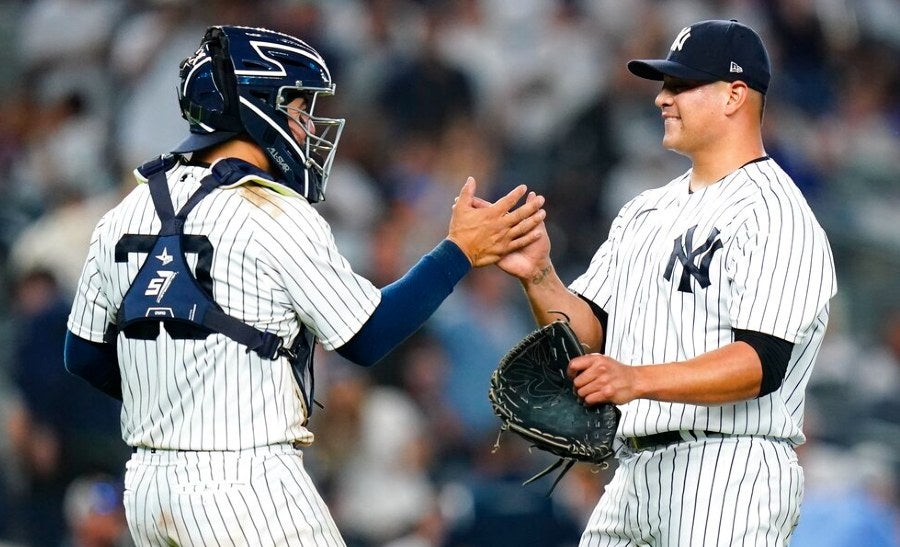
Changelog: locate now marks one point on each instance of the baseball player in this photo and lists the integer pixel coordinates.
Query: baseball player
(206, 288)
(705, 307)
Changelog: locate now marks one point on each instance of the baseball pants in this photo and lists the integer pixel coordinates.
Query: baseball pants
(727, 491)
(261, 496)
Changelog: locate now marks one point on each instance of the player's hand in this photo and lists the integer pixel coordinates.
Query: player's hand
(531, 260)
(602, 379)
(488, 231)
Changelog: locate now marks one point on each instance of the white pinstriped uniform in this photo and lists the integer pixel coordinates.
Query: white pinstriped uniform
(223, 420)
(773, 273)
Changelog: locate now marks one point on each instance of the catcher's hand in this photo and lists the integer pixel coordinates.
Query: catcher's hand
(533, 397)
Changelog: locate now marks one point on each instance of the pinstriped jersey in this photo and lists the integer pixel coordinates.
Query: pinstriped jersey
(273, 264)
(681, 269)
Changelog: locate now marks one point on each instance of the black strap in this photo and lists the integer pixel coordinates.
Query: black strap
(265, 344)
(162, 200)
(212, 118)
(159, 191)
(659, 440)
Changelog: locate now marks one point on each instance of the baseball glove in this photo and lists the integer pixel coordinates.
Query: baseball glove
(533, 397)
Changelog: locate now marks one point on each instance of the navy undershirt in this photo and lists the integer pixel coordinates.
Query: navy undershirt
(407, 303)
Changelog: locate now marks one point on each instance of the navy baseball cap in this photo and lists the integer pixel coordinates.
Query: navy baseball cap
(711, 51)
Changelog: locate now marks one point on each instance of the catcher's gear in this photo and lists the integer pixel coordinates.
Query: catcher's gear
(533, 397)
(240, 80)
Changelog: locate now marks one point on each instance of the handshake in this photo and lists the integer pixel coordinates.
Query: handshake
(513, 237)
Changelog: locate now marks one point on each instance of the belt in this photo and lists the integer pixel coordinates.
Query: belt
(295, 445)
(659, 440)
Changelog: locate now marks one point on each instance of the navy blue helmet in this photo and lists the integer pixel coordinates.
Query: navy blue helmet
(241, 80)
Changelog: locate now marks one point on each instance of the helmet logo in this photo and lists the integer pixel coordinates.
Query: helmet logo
(277, 68)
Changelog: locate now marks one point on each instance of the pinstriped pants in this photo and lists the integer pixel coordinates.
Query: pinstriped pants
(711, 492)
(261, 496)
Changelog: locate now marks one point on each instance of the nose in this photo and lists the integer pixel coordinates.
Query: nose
(663, 98)
(303, 126)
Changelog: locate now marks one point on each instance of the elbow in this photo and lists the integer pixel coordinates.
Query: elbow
(71, 362)
(357, 356)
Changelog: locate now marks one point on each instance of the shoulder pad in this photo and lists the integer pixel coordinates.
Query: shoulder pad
(150, 168)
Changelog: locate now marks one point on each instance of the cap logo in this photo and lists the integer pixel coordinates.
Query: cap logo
(681, 39)
(735, 68)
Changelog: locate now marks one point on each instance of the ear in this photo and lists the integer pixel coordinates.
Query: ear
(738, 94)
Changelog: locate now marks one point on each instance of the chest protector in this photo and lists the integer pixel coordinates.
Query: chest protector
(166, 293)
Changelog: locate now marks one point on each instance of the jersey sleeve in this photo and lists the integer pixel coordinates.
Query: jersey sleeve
(595, 283)
(781, 270)
(328, 296)
(91, 311)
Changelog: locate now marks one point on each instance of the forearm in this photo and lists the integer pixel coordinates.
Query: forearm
(728, 374)
(549, 297)
(407, 303)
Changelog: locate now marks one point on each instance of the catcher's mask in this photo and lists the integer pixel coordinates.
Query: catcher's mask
(241, 80)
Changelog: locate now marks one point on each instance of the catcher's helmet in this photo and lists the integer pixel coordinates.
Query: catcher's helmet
(240, 80)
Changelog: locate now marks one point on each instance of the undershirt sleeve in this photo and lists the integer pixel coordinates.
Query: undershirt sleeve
(407, 303)
(774, 354)
(94, 362)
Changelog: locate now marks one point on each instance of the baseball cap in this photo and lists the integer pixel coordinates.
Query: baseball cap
(710, 51)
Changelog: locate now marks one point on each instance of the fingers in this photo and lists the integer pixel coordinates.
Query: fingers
(598, 378)
(579, 365)
(467, 192)
(530, 226)
(530, 211)
(526, 239)
(532, 203)
(478, 203)
(509, 200)
(487, 231)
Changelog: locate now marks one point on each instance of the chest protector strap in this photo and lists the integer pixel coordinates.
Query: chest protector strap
(166, 292)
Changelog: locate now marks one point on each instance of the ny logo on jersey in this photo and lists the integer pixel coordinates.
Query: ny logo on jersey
(686, 257)
(159, 285)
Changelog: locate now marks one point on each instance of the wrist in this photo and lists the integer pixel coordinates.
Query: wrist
(651, 381)
(454, 263)
(542, 274)
(461, 248)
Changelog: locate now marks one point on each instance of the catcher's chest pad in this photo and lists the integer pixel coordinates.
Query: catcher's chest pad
(165, 292)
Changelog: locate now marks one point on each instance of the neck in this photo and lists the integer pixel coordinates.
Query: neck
(239, 147)
(712, 166)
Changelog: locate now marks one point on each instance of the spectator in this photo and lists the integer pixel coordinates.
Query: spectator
(61, 430)
(94, 513)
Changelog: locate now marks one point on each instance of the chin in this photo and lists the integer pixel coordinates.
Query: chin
(670, 143)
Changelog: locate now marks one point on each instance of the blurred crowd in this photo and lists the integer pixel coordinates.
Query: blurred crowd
(509, 91)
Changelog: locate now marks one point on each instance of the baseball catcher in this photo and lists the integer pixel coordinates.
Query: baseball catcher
(533, 397)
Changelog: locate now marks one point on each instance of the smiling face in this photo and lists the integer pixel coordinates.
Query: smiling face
(692, 114)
